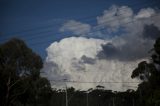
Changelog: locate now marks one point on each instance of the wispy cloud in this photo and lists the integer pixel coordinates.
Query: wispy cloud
(75, 27)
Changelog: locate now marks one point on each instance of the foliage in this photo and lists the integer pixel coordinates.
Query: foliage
(20, 75)
(149, 73)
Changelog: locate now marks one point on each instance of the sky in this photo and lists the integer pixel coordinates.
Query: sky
(42, 18)
(84, 40)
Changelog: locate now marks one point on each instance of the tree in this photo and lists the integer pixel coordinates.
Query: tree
(20, 74)
(149, 73)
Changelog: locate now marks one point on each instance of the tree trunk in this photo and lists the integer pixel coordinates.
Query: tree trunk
(8, 92)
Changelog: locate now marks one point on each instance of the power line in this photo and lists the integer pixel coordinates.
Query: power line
(90, 32)
(96, 30)
(50, 40)
(102, 29)
(67, 81)
(60, 33)
(88, 17)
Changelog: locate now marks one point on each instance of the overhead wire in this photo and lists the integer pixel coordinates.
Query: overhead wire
(89, 17)
(60, 33)
(102, 29)
(68, 81)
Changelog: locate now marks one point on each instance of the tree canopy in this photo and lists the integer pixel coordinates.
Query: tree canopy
(149, 73)
(20, 74)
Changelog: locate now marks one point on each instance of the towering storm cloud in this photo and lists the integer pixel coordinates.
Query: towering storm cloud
(126, 39)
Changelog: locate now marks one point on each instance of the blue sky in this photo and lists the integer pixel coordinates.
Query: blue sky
(37, 21)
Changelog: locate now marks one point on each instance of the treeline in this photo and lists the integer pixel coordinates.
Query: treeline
(96, 97)
(22, 85)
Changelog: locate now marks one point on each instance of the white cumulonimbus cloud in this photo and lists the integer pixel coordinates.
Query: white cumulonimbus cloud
(111, 59)
(76, 59)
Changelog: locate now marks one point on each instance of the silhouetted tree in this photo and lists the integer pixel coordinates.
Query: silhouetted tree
(20, 80)
(149, 73)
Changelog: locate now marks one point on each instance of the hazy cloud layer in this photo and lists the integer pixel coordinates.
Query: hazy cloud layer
(75, 27)
(109, 60)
